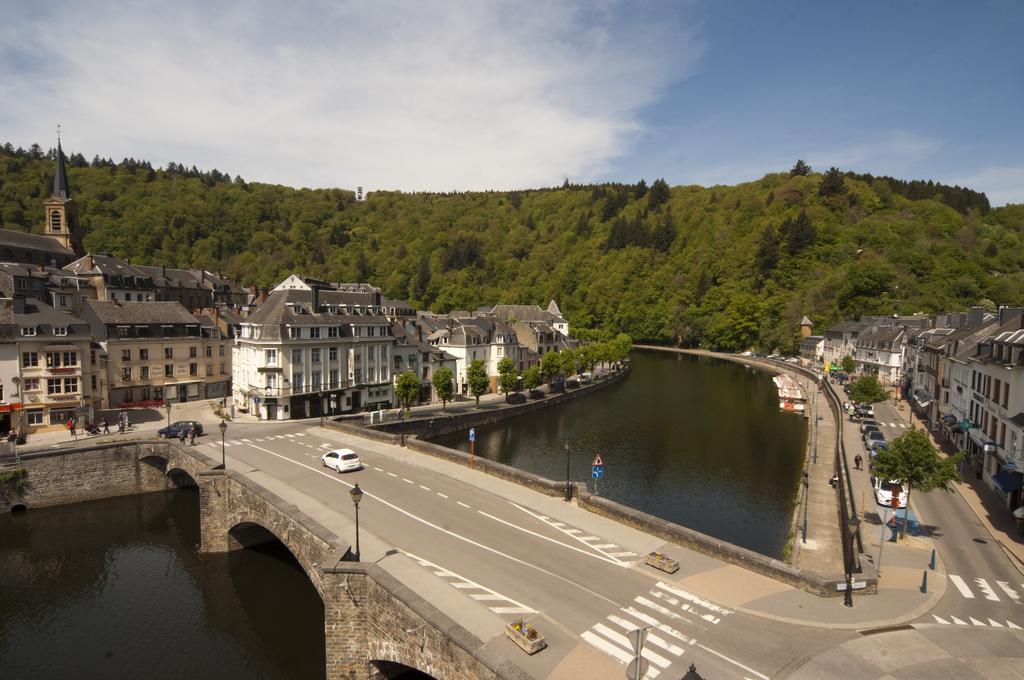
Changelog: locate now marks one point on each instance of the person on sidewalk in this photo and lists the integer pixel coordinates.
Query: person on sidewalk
(857, 461)
(71, 426)
(834, 482)
(192, 436)
(105, 426)
(12, 436)
(181, 436)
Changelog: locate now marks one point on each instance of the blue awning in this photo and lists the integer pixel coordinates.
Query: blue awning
(1007, 481)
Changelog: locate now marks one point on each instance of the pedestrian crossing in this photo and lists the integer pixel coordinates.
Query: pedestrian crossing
(496, 602)
(242, 442)
(666, 609)
(1002, 591)
(956, 621)
(626, 558)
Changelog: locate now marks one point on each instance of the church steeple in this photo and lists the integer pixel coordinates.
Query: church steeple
(61, 212)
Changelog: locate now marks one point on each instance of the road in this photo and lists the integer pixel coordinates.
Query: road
(518, 561)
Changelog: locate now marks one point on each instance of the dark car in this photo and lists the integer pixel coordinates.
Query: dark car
(572, 383)
(536, 394)
(515, 398)
(180, 429)
(557, 385)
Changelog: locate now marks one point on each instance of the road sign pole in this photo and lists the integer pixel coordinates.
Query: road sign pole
(472, 441)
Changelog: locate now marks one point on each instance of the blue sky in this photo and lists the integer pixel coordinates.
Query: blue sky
(473, 95)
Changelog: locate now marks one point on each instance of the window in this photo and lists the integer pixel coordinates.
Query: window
(271, 380)
(371, 352)
(332, 354)
(270, 356)
(209, 351)
(314, 355)
(334, 378)
(126, 373)
(144, 373)
(35, 417)
(314, 332)
(297, 380)
(220, 350)
(209, 369)
(31, 384)
(60, 330)
(126, 355)
(296, 356)
(193, 369)
(294, 333)
(28, 331)
(222, 368)
(55, 220)
(143, 355)
(1006, 393)
(168, 370)
(192, 353)
(332, 331)
(168, 352)
(123, 331)
(61, 386)
(29, 359)
(315, 383)
(93, 381)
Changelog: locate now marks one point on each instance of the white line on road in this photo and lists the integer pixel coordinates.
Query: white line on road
(961, 586)
(732, 661)
(995, 624)
(975, 621)
(694, 599)
(407, 481)
(626, 624)
(958, 621)
(392, 474)
(378, 469)
(618, 637)
(1011, 624)
(425, 488)
(986, 589)
(462, 504)
(441, 495)
(1010, 592)
(940, 620)
(552, 540)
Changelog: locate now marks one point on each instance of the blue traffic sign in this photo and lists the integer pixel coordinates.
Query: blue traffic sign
(472, 434)
(597, 472)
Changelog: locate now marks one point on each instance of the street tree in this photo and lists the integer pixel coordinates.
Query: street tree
(407, 387)
(531, 377)
(444, 385)
(569, 361)
(550, 366)
(913, 460)
(507, 375)
(867, 390)
(848, 364)
(479, 381)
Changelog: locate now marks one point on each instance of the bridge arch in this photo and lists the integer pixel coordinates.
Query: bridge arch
(393, 670)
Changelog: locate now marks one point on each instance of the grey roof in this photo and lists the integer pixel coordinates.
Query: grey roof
(523, 312)
(60, 180)
(113, 311)
(883, 337)
(6, 311)
(24, 239)
(290, 306)
(967, 346)
(806, 322)
(105, 263)
(41, 314)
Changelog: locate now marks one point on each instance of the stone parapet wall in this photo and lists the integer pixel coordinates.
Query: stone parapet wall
(507, 472)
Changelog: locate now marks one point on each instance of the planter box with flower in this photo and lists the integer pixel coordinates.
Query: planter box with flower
(661, 561)
(526, 636)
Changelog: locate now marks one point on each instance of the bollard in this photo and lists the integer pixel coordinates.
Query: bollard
(924, 582)
(931, 565)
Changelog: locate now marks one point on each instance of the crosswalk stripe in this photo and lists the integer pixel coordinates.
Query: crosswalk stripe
(621, 554)
(484, 597)
(588, 539)
(1010, 592)
(1011, 624)
(995, 623)
(958, 621)
(651, 621)
(975, 621)
(606, 646)
(615, 636)
(511, 610)
(573, 531)
(658, 608)
(604, 546)
(940, 620)
(961, 586)
(694, 599)
(685, 607)
(300, 434)
(986, 589)
(653, 639)
(289, 435)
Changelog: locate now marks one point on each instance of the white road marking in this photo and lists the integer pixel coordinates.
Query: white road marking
(462, 504)
(996, 624)
(986, 590)
(621, 554)
(1011, 624)
(961, 586)
(975, 621)
(606, 647)
(654, 606)
(552, 540)
(425, 488)
(1010, 592)
(464, 584)
(586, 540)
(300, 434)
(392, 474)
(487, 595)
(940, 620)
(605, 545)
(694, 599)
(289, 435)
(618, 637)
(378, 469)
(573, 531)
(625, 624)
(407, 481)
(958, 621)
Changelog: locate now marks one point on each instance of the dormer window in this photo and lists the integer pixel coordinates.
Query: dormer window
(60, 330)
(28, 331)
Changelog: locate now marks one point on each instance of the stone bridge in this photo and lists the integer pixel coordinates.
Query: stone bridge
(368, 614)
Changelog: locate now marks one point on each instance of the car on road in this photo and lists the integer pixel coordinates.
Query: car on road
(341, 460)
(873, 438)
(572, 383)
(865, 424)
(536, 394)
(865, 431)
(515, 398)
(180, 429)
(865, 411)
(884, 491)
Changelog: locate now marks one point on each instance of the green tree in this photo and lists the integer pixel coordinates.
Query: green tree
(550, 366)
(832, 183)
(867, 390)
(507, 375)
(767, 255)
(799, 234)
(479, 381)
(800, 168)
(569, 361)
(444, 385)
(657, 194)
(913, 460)
(407, 387)
(848, 364)
(531, 377)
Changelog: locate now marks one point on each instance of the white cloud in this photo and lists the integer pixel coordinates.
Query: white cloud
(1001, 183)
(407, 95)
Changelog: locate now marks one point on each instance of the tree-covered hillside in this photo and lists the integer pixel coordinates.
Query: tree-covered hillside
(729, 267)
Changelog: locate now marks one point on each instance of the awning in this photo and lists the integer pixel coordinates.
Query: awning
(922, 403)
(949, 419)
(1007, 481)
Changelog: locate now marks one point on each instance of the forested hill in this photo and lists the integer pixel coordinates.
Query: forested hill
(727, 266)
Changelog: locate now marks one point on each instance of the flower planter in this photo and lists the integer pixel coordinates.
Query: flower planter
(526, 636)
(662, 562)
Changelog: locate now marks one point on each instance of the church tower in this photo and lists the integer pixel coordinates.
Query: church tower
(61, 212)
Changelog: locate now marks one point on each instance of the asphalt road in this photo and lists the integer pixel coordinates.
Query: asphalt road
(517, 561)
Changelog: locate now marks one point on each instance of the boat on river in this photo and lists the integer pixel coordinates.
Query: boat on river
(791, 397)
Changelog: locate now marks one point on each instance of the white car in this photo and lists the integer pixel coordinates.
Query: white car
(341, 460)
(884, 491)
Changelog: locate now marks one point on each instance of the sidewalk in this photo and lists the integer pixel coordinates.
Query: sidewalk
(992, 515)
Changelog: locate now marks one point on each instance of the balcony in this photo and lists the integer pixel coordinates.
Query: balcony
(288, 391)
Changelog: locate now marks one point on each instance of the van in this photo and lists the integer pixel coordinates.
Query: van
(585, 378)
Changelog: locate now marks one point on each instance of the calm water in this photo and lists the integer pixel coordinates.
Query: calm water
(115, 589)
(697, 441)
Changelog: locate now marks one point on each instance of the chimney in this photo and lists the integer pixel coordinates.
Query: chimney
(263, 295)
(977, 317)
(89, 262)
(316, 299)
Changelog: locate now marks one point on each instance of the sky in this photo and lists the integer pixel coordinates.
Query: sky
(472, 95)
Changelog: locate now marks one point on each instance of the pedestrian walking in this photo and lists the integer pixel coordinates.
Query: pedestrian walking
(71, 426)
(12, 436)
(105, 426)
(834, 482)
(192, 436)
(857, 461)
(181, 436)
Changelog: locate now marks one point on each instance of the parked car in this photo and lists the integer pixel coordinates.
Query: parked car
(572, 383)
(876, 447)
(515, 398)
(872, 438)
(341, 460)
(865, 424)
(557, 385)
(536, 394)
(585, 378)
(180, 429)
(865, 411)
(865, 431)
(884, 492)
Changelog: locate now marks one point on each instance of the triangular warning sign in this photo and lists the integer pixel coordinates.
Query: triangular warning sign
(598, 461)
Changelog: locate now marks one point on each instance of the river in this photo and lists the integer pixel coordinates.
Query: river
(694, 440)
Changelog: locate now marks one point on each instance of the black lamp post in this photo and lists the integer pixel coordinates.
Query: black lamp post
(168, 407)
(852, 524)
(357, 495)
(223, 427)
(568, 484)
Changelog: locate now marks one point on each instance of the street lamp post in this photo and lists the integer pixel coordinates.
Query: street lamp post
(852, 524)
(806, 483)
(223, 427)
(168, 407)
(568, 484)
(357, 495)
